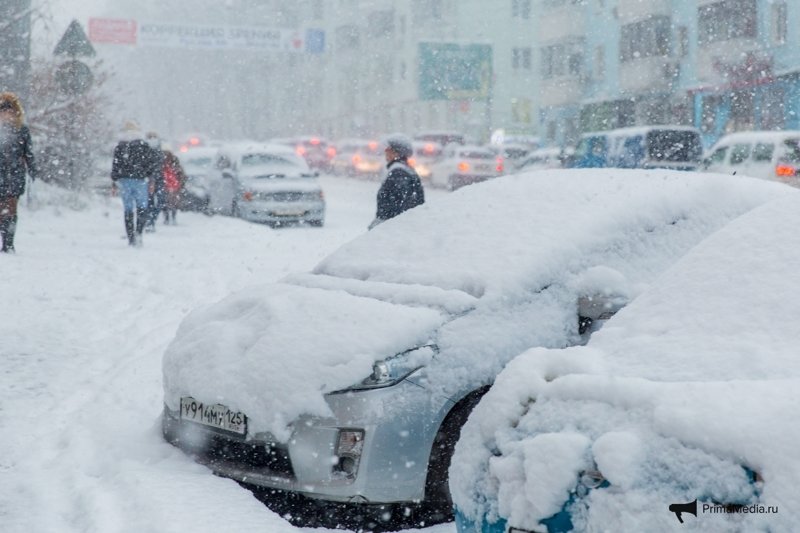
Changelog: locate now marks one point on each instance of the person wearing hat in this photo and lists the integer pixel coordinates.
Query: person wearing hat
(135, 161)
(401, 189)
(16, 157)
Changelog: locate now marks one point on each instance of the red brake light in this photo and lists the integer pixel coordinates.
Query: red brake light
(429, 148)
(314, 141)
(247, 195)
(301, 150)
(785, 170)
(373, 145)
(356, 159)
(331, 151)
(184, 148)
(463, 166)
(412, 162)
(194, 141)
(499, 166)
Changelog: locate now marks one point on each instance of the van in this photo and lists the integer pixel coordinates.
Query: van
(672, 147)
(770, 155)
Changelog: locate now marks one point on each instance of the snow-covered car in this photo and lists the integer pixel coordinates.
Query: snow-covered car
(464, 165)
(351, 383)
(358, 157)
(267, 183)
(316, 151)
(771, 155)
(198, 165)
(679, 415)
(542, 159)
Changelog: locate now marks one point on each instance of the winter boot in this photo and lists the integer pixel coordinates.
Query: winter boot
(4, 232)
(141, 220)
(8, 238)
(129, 227)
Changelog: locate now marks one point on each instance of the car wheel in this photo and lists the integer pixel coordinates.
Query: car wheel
(438, 505)
(316, 223)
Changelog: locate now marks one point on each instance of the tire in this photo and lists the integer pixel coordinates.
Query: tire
(438, 505)
(316, 223)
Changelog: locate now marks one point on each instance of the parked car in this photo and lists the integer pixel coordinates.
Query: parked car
(426, 154)
(198, 165)
(685, 403)
(771, 155)
(349, 384)
(358, 157)
(542, 159)
(672, 147)
(464, 165)
(266, 183)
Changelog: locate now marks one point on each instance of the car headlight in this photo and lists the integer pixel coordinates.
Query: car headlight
(395, 369)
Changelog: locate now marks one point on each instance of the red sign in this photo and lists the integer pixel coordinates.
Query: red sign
(113, 31)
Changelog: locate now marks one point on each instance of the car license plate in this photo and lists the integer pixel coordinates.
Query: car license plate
(217, 416)
(483, 168)
(287, 212)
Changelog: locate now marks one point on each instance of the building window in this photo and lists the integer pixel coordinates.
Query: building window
(562, 59)
(729, 19)
(521, 58)
(600, 62)
(646, 38)
(521, 9)
(779, 22)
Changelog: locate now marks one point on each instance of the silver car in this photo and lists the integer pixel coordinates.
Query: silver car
(271, 386)
(266, 183)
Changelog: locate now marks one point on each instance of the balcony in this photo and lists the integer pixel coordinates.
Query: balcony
(656, 73)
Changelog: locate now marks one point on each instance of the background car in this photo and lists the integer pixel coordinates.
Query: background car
(358, 157)
(350, 384)
(683, 404)
(426, 154)
(198, 165)
(266, 183)
(463, 165)
(542, 159)
(316, 151)
(771, 155)
(443, 138)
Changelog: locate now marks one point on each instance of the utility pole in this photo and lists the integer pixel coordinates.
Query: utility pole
(15, 46)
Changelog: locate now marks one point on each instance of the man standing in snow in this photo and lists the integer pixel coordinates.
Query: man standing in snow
(401, 189)
(133, 165)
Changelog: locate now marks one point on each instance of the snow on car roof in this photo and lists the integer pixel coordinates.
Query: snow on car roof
(707, 355)
(758, 136)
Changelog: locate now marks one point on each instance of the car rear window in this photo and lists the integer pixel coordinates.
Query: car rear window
(674, 145)
(792, 154)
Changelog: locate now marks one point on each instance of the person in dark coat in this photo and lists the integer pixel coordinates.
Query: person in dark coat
(157, 195)
(174, 182)
(401, 190)
(16, 158)
(135, 161)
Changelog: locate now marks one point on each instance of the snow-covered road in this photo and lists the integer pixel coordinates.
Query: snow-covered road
(84, 322)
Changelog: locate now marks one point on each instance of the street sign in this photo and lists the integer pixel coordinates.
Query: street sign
(73, 77)
(74, 42)
(451, 71)
(112, 31)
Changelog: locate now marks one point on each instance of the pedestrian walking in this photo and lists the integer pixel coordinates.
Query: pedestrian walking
(16, 159)
(133, 164)
(174, 181)
(156, 197)
(401, 190)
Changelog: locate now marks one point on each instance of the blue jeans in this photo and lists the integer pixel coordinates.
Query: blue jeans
(134, 194)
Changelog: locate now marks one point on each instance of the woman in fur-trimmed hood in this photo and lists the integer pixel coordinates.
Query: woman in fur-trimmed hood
(16, 159)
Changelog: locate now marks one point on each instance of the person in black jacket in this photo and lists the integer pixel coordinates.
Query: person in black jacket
(16, 158)
(135, 161)
(401, 189)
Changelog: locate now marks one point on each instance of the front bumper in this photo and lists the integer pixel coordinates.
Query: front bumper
(399, 425)
(279, 212)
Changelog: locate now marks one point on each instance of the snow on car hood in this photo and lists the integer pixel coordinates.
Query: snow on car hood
(295, 183)
(701, 371)
(272, 352)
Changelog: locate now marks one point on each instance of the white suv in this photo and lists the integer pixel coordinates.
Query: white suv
(771, 155)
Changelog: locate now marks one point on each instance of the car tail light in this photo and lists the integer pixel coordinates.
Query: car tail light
(314, 141)
(194, 141)
(331, 152)
(785, 170)
(463, 166)
(356, 159)
(373, 145)
(499, 166)
(429, 148)
(247, 195)
(184, 148)
(412, 162)
(301, 150)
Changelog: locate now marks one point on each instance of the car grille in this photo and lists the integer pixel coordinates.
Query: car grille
(290, 196)
(272, 457)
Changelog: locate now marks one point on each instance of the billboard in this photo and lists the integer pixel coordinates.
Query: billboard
(452, 71)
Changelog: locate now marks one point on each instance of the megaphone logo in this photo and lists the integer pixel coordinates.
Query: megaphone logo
(679, 508)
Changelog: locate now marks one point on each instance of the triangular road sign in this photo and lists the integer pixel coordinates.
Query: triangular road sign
(74, 42)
